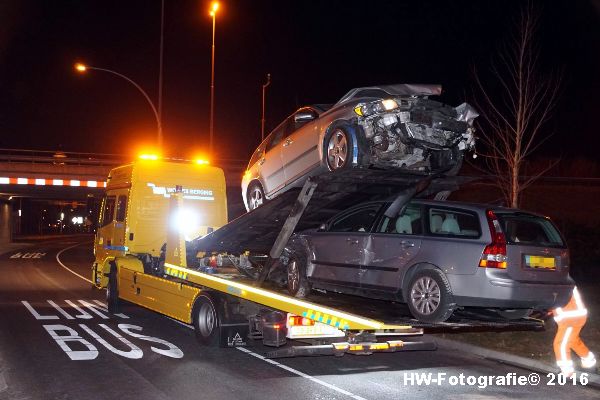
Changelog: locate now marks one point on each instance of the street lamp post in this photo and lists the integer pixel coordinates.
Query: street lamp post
(83, 68)
(213, 14)
(262, 120)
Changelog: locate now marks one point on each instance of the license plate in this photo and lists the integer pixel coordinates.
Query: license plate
(540, 262)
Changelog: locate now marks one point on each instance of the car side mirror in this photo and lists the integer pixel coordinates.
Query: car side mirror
(304, 117)
(322, 228)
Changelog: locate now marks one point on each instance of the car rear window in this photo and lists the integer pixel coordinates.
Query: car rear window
(530, 230)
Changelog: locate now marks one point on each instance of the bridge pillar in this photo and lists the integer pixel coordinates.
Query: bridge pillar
(5, 223)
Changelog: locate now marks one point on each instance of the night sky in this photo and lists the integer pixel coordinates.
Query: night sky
(315, 50)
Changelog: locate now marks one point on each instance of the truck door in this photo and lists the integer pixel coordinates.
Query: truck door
(110, 238)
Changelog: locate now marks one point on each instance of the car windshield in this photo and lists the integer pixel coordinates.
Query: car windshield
(530, 230)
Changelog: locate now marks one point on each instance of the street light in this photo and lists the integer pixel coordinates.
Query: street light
(213, 13)
(82, 68)
(262, 121)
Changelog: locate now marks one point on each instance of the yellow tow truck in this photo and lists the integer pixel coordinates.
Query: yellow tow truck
(164, 242)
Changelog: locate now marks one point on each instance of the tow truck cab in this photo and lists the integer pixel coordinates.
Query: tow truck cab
(134, 217)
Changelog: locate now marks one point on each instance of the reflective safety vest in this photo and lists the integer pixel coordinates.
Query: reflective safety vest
(574, 308)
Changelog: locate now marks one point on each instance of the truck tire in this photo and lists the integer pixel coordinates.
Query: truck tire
(112, 290)
(429, 296)
(205, 317)
(297, 281)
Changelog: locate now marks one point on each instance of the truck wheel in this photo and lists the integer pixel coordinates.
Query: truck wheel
(339, 148)
(297, 282)
(430, 297)
(206, 320)
(112, 290)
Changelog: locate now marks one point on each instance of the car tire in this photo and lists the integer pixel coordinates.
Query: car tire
(255, 196)
(515, 314)
(429, 296)
(205, 318)
(112, 290)
(297, 281)
(338, 149)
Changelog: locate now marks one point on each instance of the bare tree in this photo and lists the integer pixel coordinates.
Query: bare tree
(515, 111)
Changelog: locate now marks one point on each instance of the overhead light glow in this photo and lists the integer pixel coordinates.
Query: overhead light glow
(80, 67)
(152, 157)
(201, 161)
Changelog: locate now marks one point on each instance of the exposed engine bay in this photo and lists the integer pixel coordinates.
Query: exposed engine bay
(416, 133)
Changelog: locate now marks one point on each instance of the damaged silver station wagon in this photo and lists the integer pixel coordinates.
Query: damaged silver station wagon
(394, 126)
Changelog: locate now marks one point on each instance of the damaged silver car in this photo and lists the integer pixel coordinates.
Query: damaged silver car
(393, 126)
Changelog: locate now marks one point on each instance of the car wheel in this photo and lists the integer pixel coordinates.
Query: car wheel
(297, 282)
(429, 296)
(515, 314)
(112, 290)
(256, 196)
(339, 149)
(206, 320)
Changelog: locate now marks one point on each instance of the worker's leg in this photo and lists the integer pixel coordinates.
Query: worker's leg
(588, 360)
(562, 351)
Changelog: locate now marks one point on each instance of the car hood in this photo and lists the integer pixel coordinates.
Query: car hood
(400, 89)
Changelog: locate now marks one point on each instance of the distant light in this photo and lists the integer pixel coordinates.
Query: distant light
(201, 161)
(19, 212)
(213, 9)
(77, 220)
(9, 198)
(152, 157)
(80, 67)
(62, 216)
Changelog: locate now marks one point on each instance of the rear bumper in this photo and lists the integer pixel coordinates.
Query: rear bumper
(481, 290)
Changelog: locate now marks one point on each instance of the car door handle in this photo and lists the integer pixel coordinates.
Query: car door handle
(406, 243)
(287, 142)
(261, 161)
(351, 241)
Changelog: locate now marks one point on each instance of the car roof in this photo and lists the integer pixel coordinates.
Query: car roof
(471, 206)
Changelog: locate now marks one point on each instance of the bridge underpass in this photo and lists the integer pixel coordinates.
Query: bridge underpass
(41, 191)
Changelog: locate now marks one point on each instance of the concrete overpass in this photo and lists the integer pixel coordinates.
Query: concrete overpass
(65, 176)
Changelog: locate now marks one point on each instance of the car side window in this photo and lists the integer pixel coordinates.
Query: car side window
(407, 223)
(452, 222)
(293, 125)
(360, 220)
(276, 136)
(108, 211)
(256, 156)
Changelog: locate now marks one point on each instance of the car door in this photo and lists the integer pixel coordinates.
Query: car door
(392, 248)
(270, 164)
(339, 252)
(300, 143)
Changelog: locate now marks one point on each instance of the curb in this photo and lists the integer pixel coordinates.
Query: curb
(505, 358)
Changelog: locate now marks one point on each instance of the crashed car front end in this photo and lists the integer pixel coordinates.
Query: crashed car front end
(415, 132)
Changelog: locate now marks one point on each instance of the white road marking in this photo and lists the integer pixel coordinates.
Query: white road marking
(243, 349)
(302, 374)
(69, 269)
(289, 369)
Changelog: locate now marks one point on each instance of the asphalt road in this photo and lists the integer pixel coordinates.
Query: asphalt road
(96, 356)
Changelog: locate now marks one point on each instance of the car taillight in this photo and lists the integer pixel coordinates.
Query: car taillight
(295, 320)
(494, 254)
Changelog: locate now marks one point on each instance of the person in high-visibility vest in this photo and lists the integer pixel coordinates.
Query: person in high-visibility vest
(570, 319)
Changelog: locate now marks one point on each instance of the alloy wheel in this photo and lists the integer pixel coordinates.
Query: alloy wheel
(293, 276)
(256, 197)
(337, 150)
(425, 295)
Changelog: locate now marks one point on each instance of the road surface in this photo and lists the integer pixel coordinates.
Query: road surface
(58, 342)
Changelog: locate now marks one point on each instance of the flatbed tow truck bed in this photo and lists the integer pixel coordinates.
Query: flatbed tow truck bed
(233, 304)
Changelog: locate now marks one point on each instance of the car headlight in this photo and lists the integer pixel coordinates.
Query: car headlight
(379, 106)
